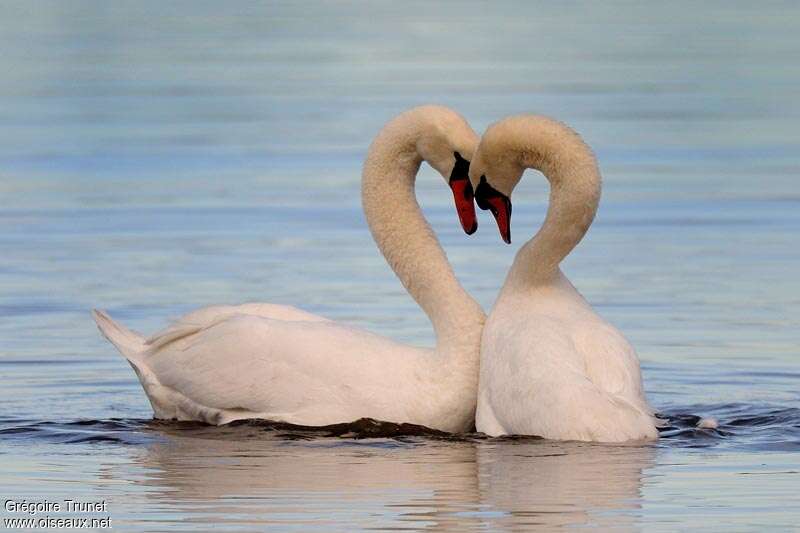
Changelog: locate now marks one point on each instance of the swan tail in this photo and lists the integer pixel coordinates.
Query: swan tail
(133, 347)
(129, 343)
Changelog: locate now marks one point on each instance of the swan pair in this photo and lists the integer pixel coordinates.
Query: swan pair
(543, 363)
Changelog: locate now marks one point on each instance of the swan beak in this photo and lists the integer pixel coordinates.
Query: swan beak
(465, 205)
(487, 197)
(463, 194)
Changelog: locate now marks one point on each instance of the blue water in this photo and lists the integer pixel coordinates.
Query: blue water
(158, 157)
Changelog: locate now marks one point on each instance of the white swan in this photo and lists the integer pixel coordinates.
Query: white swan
(224, 363)
(550, 366)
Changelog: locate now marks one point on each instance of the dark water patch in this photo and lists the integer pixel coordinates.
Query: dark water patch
(780, 416)
(9, 431)
(116, 431)
(361, 429)
(96, 438)
(735, 425)
(139, 431)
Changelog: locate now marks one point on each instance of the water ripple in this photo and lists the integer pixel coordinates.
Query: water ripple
(753, 428)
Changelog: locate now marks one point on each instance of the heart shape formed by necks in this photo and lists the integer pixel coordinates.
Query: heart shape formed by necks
(489, 198)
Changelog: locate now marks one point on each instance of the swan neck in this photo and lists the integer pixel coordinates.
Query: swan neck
(575, 185)
(409, 244)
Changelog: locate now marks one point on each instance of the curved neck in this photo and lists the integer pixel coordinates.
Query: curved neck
(407, 241)
(575, 183)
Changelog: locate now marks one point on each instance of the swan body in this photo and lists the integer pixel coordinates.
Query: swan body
(549, 365)
(224, 363)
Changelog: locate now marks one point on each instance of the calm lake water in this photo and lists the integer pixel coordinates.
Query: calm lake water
(158, 157)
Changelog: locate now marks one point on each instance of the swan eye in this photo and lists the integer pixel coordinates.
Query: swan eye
(460, 169)
(483, 192)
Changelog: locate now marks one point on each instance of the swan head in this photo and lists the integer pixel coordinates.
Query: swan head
(516, 143)
(494, 172)
(447, 143)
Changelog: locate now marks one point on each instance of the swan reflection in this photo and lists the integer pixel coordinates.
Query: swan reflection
(250, 478)
(562, 484)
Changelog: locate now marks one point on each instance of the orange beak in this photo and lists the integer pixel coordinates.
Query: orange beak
(463, 195)
(465, 206)
(487, 197)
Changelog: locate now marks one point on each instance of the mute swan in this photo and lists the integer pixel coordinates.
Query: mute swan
(549, 365)
(224, 363)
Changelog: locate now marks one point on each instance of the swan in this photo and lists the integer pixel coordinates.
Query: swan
(549, 365)
(259, 360)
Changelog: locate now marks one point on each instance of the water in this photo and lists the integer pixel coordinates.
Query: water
(155, 158)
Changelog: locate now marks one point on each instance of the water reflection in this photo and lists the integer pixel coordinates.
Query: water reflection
(157, 157)
(246, 477)
(562, 484)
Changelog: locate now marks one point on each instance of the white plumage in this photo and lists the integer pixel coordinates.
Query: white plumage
(550, 366)
(224, 363)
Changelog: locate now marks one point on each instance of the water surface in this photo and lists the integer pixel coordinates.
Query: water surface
(156, 158)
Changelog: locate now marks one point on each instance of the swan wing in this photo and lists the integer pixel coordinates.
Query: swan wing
(207, 317)
(303, 372)
(610, 361)
(538, 377)
(557, 401)
(585, 412)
